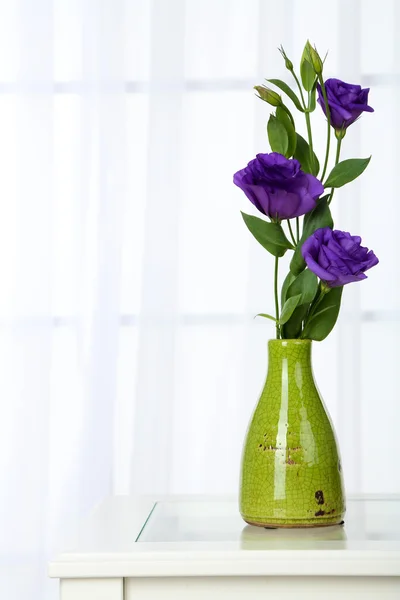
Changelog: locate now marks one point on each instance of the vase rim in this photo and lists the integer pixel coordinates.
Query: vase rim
(291, 341)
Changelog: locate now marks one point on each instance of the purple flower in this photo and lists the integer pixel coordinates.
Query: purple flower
(278, 187)
(346, 102)
(337, 257)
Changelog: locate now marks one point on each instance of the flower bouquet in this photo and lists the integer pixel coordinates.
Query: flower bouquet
(291, 470)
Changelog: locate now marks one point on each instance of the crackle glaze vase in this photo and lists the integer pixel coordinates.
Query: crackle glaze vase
(291, 472)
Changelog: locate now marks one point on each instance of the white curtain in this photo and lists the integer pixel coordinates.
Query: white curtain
(129, 357)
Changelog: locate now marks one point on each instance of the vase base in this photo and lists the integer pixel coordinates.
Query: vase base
(292, 524)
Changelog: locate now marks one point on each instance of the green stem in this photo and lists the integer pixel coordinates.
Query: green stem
(338, 147)
(298, 229)
(315, 306)
(328, 135)
(310, 141)
(308, 120)
(278, 335)
(300, 89)
(291, 233)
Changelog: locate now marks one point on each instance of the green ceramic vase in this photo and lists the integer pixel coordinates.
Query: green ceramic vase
(291, 471)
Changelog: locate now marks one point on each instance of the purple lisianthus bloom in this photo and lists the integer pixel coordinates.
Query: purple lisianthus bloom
(278, 187)
(346, 102)
(337, 257)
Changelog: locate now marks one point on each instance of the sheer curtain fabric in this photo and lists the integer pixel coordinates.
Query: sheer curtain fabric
(129, 357)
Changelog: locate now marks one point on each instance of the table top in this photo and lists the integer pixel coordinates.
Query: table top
(205, 536)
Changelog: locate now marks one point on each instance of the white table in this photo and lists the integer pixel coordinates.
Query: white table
(199, 548)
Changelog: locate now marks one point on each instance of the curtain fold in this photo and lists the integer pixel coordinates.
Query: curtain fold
(60, 321)
(157, 330)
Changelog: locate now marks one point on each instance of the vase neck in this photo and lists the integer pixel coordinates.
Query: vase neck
(292, 354)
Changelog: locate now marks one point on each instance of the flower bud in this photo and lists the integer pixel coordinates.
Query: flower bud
(325, 288)
(268, 95)
(288, 62)
(340, 133)
(315, 59)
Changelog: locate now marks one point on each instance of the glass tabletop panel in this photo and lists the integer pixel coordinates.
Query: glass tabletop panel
(220, 521)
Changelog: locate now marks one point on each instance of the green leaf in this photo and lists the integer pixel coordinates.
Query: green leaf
(288, 91)
(302, 154)
(322, 323)
(319, 217)
(277, 135)
(288, 280)
(314, 213)
(269, 235)
(283, 117)
(305, 285)
(292, 329)
(287, 111)
(346, 171)
(288, 308)
(266, 316)
(313, 98)
(307, 75)
(307, 70)
(319, 312)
